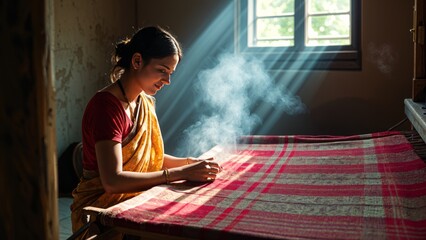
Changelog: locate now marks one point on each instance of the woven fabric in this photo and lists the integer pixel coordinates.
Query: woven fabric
(370, 186)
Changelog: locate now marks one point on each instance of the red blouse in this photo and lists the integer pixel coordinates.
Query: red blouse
(103, 119)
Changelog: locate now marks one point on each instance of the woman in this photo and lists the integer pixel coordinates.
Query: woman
(122, 143)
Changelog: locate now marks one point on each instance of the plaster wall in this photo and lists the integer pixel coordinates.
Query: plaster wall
(338, 102)
(85, 33)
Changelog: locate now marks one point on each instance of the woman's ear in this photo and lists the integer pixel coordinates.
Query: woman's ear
(137, 61)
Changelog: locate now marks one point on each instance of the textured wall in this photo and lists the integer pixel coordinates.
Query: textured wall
(84, 35)
(338, 102)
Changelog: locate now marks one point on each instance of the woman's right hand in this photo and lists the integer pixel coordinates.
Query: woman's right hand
(201, 171)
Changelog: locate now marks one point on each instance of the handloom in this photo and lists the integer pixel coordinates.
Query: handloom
(369, 186)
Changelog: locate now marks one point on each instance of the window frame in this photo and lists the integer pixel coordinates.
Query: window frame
(299, 56)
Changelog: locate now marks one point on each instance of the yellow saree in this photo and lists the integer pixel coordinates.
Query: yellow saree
(143, 153)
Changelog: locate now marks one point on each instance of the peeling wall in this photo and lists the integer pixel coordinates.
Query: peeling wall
(85, 32)
(338, 102)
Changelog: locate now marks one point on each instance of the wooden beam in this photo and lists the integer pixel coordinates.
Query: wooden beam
(419, 71)
(28, 143)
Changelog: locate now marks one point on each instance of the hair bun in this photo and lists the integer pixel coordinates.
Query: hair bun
(122, 48)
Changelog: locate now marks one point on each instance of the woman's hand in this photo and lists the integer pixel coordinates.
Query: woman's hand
(190, 160)
(201, 170)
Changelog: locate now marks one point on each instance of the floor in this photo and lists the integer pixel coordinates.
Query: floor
(64, 217)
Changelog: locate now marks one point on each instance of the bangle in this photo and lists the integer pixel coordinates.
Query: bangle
(166, 175)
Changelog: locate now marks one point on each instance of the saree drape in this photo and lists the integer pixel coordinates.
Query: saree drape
(142, 153)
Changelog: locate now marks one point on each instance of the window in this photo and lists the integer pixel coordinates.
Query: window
(301, 34)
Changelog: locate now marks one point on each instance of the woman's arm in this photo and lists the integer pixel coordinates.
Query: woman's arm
(172, 161)
(115, 180)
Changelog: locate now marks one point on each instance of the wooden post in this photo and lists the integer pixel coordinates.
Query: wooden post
(28, 143)
(419, 71)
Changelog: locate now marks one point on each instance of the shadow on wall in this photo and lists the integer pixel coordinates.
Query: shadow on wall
(342, 115)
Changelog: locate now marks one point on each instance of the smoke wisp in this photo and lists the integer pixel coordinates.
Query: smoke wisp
(383, 57)
(229, 91)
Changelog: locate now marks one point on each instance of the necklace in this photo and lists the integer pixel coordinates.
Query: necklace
(125, 98)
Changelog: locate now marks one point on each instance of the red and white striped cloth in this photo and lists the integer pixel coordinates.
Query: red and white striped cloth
(370, 186)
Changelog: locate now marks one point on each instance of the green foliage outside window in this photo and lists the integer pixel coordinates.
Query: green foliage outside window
(327, 22)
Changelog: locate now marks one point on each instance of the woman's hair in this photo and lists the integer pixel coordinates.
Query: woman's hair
(151, 42)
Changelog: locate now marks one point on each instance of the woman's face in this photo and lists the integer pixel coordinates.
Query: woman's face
(157, 73)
